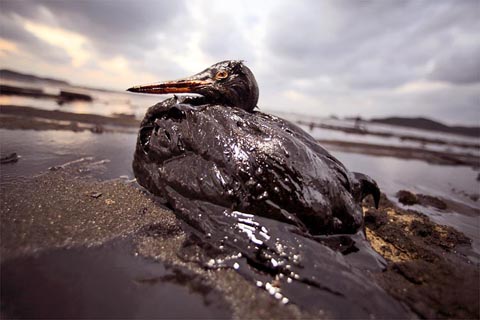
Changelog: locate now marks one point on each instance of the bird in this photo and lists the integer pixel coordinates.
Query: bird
(215, 147)
(258, 194)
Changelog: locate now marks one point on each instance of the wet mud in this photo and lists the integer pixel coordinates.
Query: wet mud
(10, 158)
(46, 218)
(408, 198)
(23, 117)
(428, 264)
(65, 213)
(106, 281)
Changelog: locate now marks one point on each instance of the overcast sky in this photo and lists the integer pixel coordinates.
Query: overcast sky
(368, 58)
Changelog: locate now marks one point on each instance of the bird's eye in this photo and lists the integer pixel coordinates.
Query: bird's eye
(221, 74)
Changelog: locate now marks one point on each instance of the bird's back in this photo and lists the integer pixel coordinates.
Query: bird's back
(252, 162)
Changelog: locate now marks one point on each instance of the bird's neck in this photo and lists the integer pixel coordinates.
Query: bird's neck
(193, 100)
(202, 100)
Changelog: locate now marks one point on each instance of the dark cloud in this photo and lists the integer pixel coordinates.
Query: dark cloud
(227, 41)
(370, 44)
(453, 105)
(459, 67)
(328, 54)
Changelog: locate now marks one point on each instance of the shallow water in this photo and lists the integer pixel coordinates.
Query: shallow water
(393, 174)
(327, 134)
(40, 150)
(448, 182)
(108, 281)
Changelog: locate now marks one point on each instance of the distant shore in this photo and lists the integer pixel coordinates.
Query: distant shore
(80, 93)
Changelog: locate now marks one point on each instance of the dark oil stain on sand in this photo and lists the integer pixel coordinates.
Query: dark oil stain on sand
(107, 281)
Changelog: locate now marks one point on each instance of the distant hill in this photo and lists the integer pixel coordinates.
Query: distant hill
(17, 76)
(427, 124)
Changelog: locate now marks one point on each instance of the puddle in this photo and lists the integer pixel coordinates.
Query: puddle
(40, 150)
(104, 282)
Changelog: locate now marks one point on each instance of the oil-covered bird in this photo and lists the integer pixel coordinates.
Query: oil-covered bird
(214, 147)
(258, 194)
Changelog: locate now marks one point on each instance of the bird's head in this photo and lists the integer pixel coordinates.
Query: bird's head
(228, 82)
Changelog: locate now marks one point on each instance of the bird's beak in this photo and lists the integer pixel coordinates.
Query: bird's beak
(186, 85)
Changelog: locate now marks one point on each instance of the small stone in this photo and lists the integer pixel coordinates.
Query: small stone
(95, 195)
(11, 158)
(97, 129)
(407, 198)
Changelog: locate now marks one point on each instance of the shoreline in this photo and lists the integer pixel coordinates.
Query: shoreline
(29, 118)
(429, 156)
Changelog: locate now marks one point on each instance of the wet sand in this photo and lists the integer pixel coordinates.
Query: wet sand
(67, 208)
(23, 118)
(28, 118)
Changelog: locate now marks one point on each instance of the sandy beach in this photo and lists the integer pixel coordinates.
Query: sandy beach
(67, 209)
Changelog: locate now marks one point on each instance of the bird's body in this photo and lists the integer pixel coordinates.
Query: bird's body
(246, 161)
(260, 195)
(217, 149)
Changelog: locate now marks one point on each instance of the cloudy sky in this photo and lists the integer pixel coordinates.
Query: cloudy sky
(368, 58)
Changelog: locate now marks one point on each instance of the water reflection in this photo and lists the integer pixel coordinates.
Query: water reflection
(394, 174)
(442, 145)
(449, 182)
(40, 150)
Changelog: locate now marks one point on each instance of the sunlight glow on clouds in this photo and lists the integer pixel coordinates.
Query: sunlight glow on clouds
(107, 72)
(7, 47)
(74, 44)
(421, 86)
